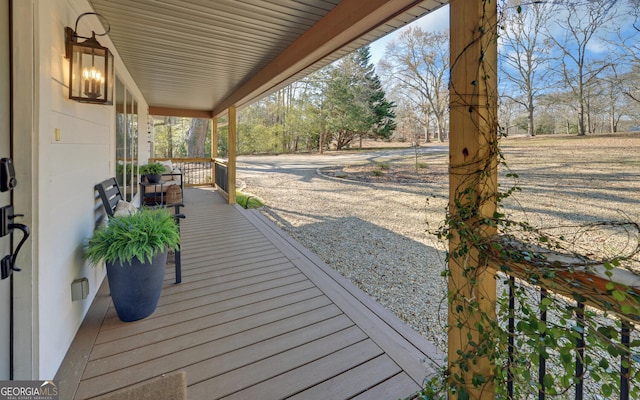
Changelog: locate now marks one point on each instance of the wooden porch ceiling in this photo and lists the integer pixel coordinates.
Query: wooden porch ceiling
(198, 57)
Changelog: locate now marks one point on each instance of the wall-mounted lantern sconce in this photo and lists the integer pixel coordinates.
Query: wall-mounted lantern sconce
(91, 74)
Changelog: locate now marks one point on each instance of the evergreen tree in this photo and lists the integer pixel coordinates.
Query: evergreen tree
(383, 122)
(355, 103)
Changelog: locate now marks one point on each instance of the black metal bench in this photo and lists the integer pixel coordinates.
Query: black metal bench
(110, 194)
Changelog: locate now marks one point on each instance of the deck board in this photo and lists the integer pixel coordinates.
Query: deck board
(352, 381)
(256, 316)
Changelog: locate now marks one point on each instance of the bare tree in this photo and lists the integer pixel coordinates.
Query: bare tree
(612, 85)
(418, 63)
(526, 54)
(580, 25)
(507, 111)
(631, 47)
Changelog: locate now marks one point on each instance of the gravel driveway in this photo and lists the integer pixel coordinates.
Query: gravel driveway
(375, 234)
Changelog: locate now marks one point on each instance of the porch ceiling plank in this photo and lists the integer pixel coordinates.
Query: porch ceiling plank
(207, 55)
(203, 21)
(347, 22)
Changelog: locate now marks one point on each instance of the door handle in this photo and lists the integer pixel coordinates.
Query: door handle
(8, 263)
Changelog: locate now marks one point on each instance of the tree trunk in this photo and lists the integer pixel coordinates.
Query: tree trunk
(581, 130)
(612, 121)
(581, 100)
(196, 137)
(532, 131)
(169, 123)
(440, 128)
(590, 126)
(427, 139)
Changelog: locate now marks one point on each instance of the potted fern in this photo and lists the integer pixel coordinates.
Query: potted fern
(153, 171)
(134, 248)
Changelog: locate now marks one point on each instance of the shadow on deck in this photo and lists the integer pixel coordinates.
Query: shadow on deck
(257, 316)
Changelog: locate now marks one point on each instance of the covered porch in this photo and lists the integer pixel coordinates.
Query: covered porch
(230, 324)
(256, 316)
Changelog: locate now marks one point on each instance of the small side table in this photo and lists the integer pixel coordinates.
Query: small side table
(154, 194)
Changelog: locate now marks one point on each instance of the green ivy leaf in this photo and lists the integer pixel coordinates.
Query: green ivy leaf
(618, 295)
(604, 364)
(627, 309)
(548, 381)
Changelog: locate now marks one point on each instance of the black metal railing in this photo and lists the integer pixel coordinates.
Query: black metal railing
(195, 171)
(222, 176)
(625, 333)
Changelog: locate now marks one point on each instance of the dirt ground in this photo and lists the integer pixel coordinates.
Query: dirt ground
(604, 150)
(571, 187)
(378, 233)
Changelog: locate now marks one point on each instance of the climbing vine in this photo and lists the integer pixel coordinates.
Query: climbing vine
(565, 317)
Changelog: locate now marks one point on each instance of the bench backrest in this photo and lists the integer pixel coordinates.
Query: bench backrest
(109, 194)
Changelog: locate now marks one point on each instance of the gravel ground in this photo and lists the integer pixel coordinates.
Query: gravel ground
(376, 233)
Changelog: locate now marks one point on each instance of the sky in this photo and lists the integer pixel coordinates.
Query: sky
(439, 21)
(435, 21)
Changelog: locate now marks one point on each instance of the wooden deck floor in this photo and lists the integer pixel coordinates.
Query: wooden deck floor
(256, 316)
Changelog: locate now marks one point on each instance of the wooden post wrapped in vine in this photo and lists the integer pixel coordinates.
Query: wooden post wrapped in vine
(472, 197)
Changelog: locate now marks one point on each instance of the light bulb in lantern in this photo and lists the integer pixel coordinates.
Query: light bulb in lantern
(85, 75)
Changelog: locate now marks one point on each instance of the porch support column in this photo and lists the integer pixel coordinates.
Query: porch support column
(214, 149)
(472, 190)
(231, 168)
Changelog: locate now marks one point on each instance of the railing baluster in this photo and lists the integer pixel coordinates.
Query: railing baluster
(542, 366)
(511, 331)
(580, 352)
(625, 359)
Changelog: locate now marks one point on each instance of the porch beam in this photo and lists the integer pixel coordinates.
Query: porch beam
(348, 21)
(231, 167)
(472, 189)
(179, 112)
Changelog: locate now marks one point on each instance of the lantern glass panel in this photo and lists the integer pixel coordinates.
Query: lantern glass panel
(91, 74)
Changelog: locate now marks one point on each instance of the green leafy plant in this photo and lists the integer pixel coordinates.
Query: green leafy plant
(247, 200)
(140, 235)
(152, 169)
(123, 173)
(549, 314)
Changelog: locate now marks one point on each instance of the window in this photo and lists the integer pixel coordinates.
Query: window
(126, 141)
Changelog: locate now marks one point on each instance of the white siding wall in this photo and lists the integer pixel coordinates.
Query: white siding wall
(66, 173)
